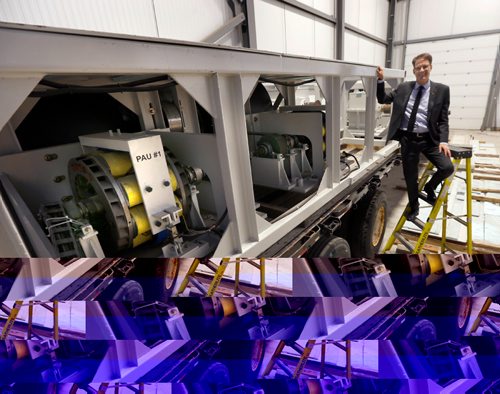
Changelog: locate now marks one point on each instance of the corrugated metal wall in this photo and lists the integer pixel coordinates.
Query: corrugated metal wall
(191, 20)
(286, 29)
(115, 16)
(371, 17)
(430, 18)
(465, 64)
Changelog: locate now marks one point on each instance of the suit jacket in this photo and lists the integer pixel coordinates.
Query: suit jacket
(437, 115)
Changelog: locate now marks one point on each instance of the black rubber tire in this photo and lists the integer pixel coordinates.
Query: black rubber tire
(451, 315)
(370, 217)
(244, 358)
(330, 246)
(128, 291)
(158, 277)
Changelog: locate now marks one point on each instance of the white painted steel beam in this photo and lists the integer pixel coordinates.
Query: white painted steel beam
(75, 52)
(42, 279)
(14, 89)
(234, 155)
(331, 89)
(370, 85)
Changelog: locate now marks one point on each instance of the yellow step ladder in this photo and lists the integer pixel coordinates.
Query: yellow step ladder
(305, 353)
(219, 271)
(15, 311)
(483, 318)
(458, 154)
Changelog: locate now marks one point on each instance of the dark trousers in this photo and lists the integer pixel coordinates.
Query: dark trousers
(411, 147)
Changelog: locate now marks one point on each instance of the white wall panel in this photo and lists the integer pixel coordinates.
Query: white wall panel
(468, 100)
(466, 124)
(191, 20)
(477, 90)
(285, 29)
(477, 15)
(466, 66)
(368, 15)
(326, 6)
(351, 47)
(430, 18)
(359, 49)
(324, 39)
(352, 12)
(270, 25)
(134, 17)
(299, 32)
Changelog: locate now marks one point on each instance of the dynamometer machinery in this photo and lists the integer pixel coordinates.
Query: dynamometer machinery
(160, 148)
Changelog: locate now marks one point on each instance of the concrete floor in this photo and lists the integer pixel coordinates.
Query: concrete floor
(395, 187)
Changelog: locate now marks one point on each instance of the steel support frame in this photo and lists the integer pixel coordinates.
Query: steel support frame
(310, 10)
(489, 121)
(340, 29)
(221, 80)
(225, 29)
(364, 34)
(390, 33)
(42, 279)
(357, 317)
(141, 359)
(336, 317)
(447, 37)
(404, 42)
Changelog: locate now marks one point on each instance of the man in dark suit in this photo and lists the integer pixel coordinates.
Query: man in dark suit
(419, 121)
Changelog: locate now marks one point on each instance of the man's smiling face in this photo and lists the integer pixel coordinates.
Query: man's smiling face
(422, 70)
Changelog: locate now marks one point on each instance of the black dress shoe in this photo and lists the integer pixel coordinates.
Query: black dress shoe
(412, 215)
(431, 196)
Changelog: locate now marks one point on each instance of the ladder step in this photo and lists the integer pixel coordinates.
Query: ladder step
(212, 266)
(419, 223)
(295, 346)
(284, 367)
(196, 283)
(407, 244)
(422, 196)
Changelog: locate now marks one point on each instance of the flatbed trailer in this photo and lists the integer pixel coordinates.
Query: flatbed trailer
(217, 167)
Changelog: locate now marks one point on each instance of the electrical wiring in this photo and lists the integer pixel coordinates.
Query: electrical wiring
(136, 86)
(276, 82)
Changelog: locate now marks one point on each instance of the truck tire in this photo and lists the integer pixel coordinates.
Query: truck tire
(128, 291)
(450, 315)
(330, 246)
(158, 277)
(244, 358)
(368, 225)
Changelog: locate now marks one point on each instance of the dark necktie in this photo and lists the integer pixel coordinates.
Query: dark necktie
(413, 116)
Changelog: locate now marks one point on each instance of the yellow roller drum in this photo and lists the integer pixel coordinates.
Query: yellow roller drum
(119, 163)
(173, 180)
(435, 262)
(141, 218)
(179, 204)
(132, 189)
(141, 238)
(227, 305)
(22, 350)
